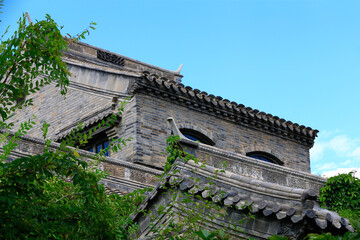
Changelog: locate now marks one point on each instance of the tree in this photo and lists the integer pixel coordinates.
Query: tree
(342, 193)
(29, 59)
(56, 194)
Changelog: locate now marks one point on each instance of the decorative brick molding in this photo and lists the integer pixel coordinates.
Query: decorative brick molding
(85, 53)
(112, 58)
(262, 170)
(247, 166)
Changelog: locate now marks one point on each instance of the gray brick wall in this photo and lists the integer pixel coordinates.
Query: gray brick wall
(127, 129)
(152, 131)
(144, 120)
(60, 111)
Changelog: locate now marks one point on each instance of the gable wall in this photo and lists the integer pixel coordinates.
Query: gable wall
(83, 100)
(60, 111)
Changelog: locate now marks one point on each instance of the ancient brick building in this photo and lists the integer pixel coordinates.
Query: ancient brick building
(263, 150)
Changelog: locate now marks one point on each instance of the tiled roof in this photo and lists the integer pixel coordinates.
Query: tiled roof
(215, 105)
(87, 121)
(269, 199)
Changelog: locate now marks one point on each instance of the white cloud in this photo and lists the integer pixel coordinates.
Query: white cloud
(328, 134)
(341, 170)
(342, 144)
(335, 153)
(356, 153)
(347, 162)
(317, 151)
(327, 166)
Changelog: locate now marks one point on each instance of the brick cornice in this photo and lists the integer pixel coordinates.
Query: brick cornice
(230, 156)
(223, 108)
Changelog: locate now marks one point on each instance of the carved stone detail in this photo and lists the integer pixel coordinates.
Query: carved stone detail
(133, 86)
(112, 58)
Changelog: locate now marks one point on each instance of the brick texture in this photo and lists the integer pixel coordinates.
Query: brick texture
(152, 131)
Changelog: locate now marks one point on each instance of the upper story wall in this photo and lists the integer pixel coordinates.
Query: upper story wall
(100, 76)
(152, 132)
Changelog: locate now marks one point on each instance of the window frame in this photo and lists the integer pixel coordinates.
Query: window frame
(103, 145)
(265, 157)
(196, 136)
(96, 140)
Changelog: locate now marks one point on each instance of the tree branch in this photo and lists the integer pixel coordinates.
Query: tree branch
(67, 196)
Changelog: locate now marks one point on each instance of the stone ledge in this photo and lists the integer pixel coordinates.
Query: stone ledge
(83, 153)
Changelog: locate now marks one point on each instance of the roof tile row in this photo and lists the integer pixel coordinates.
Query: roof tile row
(294, 212)
(305, 207)
(237, 112)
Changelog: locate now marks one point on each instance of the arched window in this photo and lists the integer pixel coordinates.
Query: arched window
(196, 136)
(266, 157)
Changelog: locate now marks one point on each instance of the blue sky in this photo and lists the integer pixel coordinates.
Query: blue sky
(297, 59)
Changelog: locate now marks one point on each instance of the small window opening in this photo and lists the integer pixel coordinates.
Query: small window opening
(196, 136)
(98, 146)
(266, 157)
(96, 143)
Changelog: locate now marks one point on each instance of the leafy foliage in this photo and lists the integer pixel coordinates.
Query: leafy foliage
(54, 195)
(175, 151)
(12, 141)
(57, 195)
(213, 235)
(30, 59)
(328, 236)
(37, 202)
(276, 237)
(342, 192)
(193, 212)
